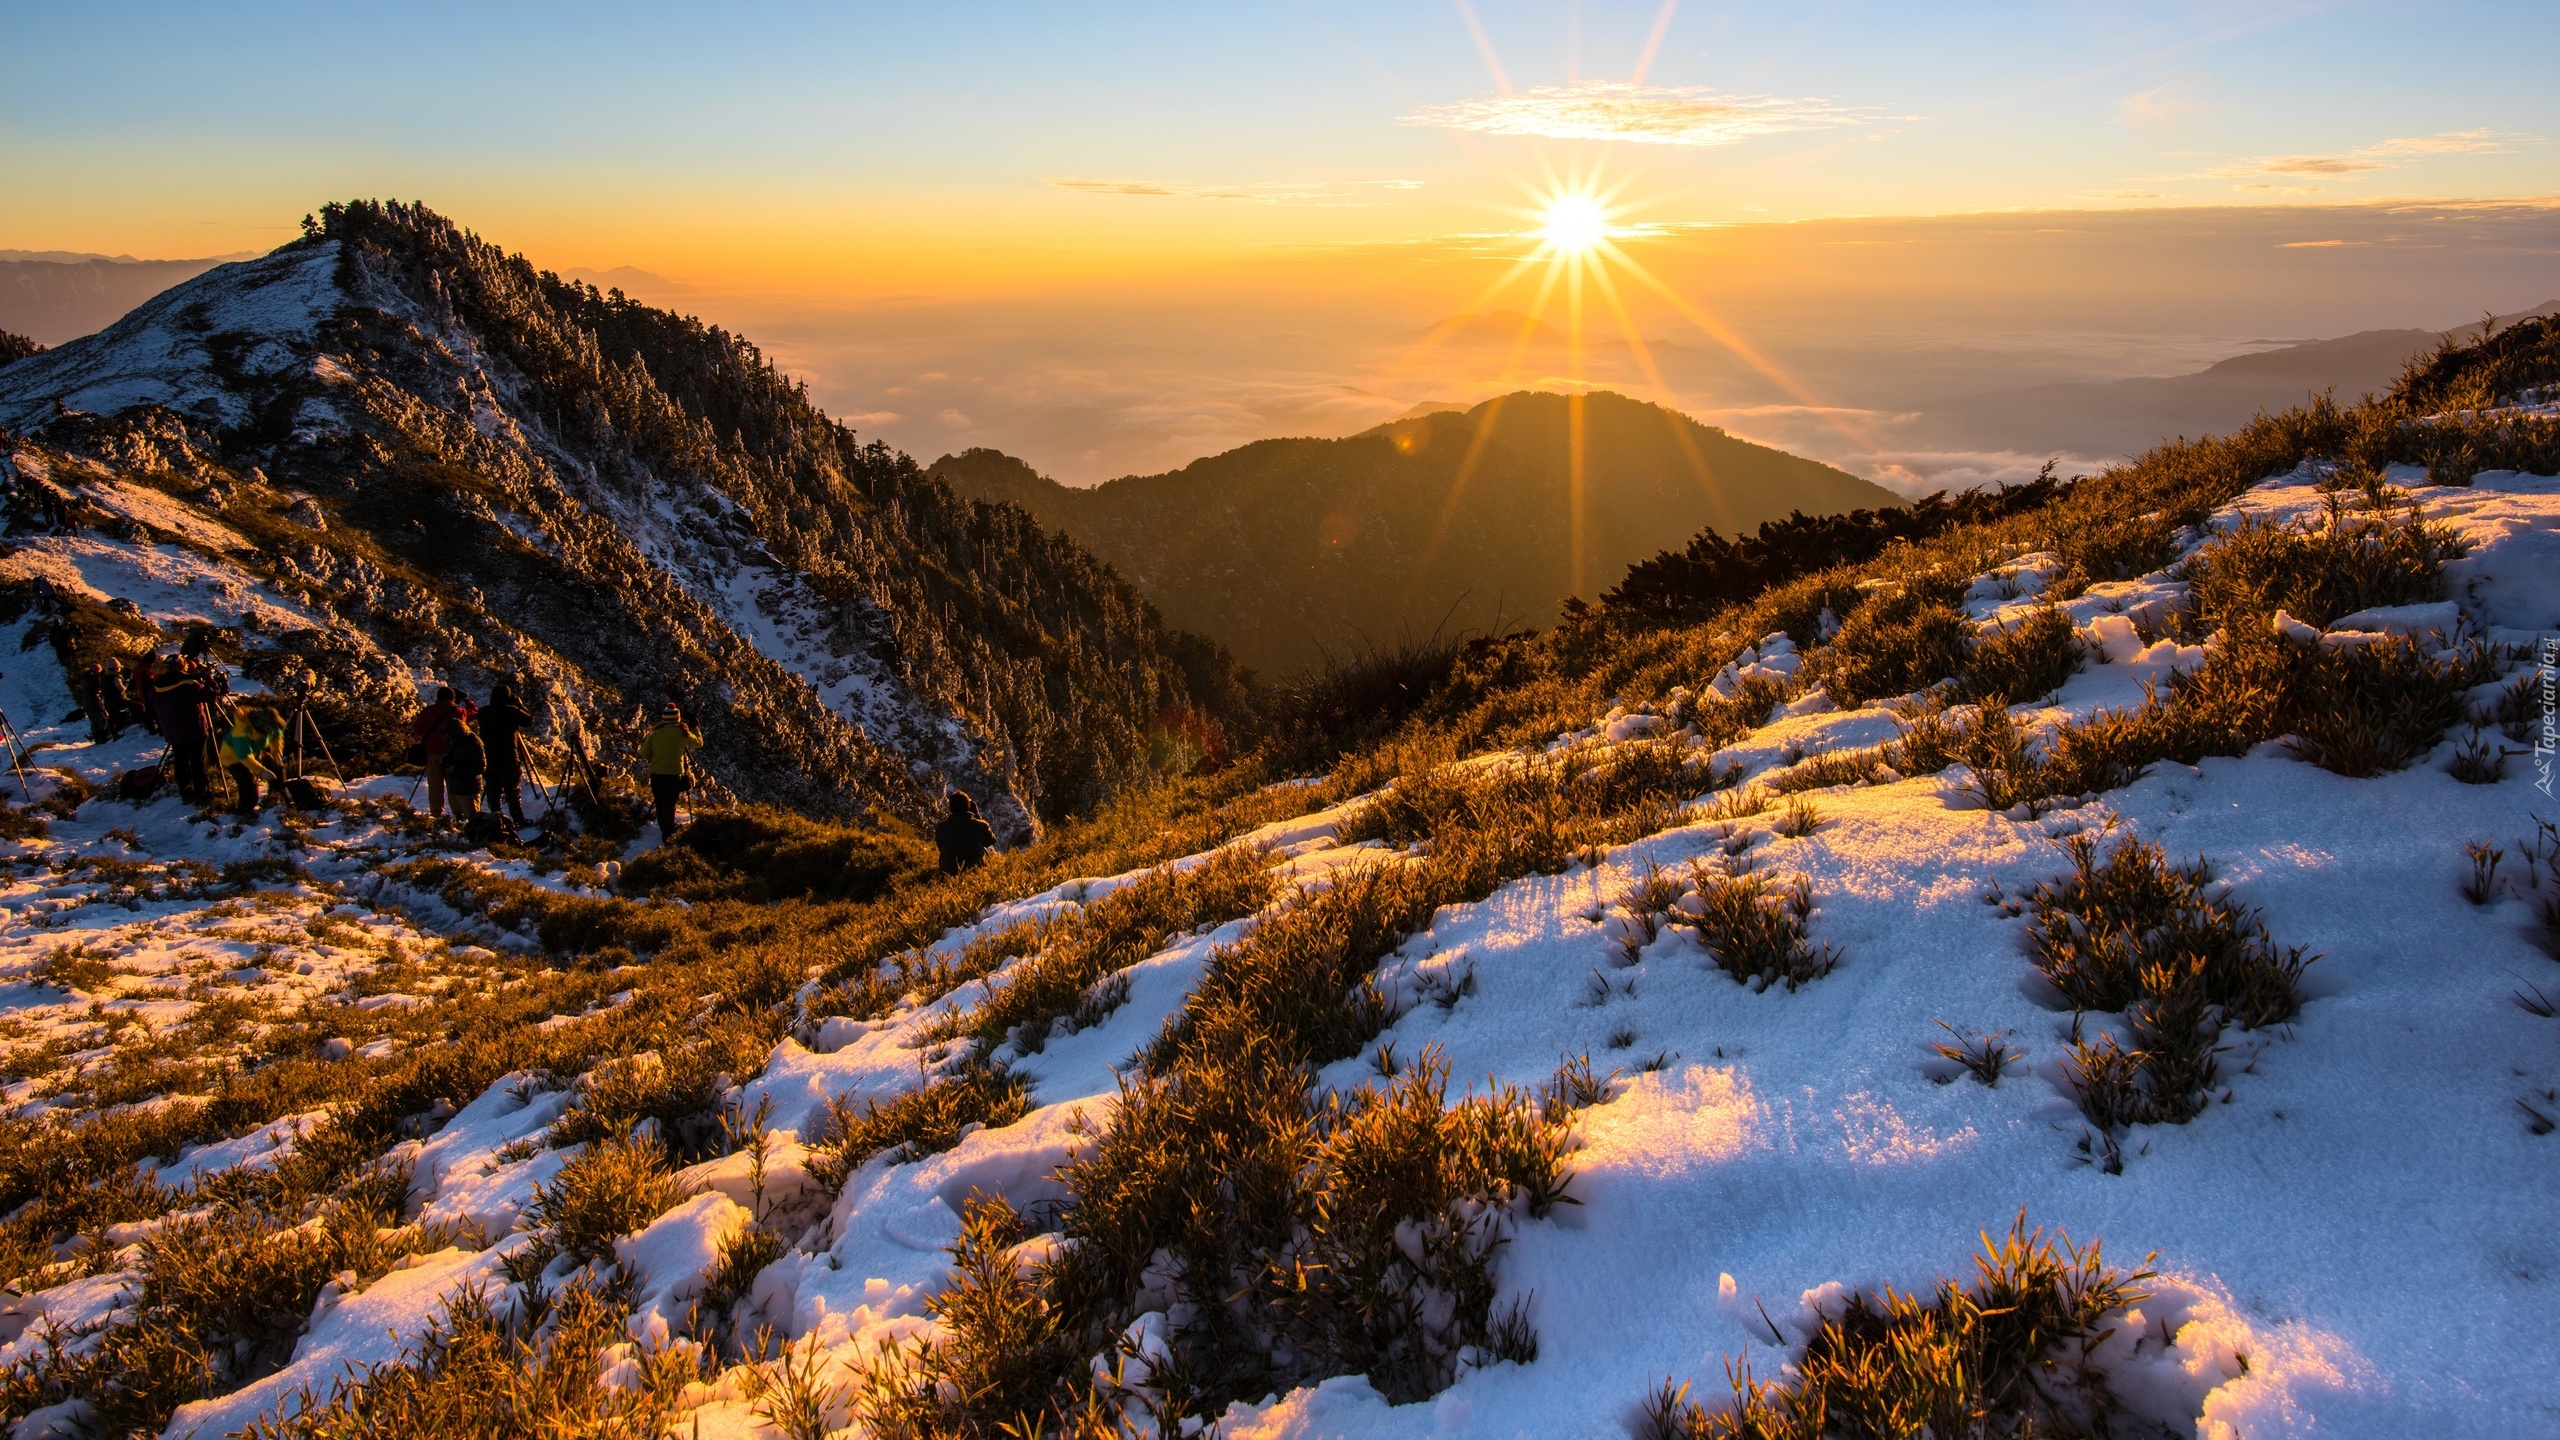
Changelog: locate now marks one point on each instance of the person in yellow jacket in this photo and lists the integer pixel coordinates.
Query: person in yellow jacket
(666, 748)
(253, 746)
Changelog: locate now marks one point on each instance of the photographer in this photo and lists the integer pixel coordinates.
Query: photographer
(665, 749)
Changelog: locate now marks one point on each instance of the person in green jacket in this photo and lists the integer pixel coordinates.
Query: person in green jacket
(253, 746)
(666, 748)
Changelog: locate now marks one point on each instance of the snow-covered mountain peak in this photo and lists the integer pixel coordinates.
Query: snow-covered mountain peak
(191, 348)
(490, 473)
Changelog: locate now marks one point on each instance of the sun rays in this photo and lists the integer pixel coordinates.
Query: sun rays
(1571, 252)
(1574, 224)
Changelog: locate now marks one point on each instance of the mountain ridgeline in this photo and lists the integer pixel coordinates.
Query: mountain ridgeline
(459, 466)
(1287, 550)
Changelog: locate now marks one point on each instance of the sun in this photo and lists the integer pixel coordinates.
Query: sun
(1573, 224)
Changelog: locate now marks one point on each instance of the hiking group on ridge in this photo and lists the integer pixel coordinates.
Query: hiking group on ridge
(471, 757)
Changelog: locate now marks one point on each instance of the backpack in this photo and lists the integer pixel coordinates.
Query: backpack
(463, 753)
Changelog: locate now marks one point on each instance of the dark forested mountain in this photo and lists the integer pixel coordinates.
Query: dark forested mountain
(1285, 549)
(455, 465)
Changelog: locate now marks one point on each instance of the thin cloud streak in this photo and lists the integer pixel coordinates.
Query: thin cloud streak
(1268, 193)
(2380, 156)
(1640, 114)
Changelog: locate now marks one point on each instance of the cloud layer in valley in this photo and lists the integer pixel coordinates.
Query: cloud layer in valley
(1883, 325)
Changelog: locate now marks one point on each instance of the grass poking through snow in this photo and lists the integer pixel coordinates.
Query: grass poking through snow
(2166, 947)
(2008, 1355)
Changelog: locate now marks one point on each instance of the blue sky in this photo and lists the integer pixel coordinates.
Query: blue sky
(162, 129)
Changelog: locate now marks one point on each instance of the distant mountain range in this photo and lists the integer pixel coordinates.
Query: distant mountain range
(2090, 419)
(56, 295)
(1287, 549)
(2125, 416)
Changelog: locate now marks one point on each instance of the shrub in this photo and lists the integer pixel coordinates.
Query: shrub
(1111, 934)
(924, 1121)
(743, 1256)
(1800, 818)
(1208, 1176)
(1927, 740)
(577, 924)
(2477, 761)
(223, 1299)
(1714, 571)
(679, 1093)
(2097, 930)
(1981, 1056)
(615, 1187)
(2317, 573)
(1000, 1367)
(2365, 709)
(2102, 541)
(2007, 1355)
(2138, 935)
(758, 854)
(1647, 901)
(1393, 1275)
(920, 977)
(2026, 660)
(1906, 638)
(2489, 370)
(1754, 928)
(1361, 696)
(1821, 772)
(523, 1370)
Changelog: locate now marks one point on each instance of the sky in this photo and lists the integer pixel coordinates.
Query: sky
(1119, 232)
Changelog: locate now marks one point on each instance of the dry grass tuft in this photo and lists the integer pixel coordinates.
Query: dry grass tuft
(615, 1187)
(2159, 943)
(1754, 927)
(2007, 1355)
(1906, 638)
(2026, 660)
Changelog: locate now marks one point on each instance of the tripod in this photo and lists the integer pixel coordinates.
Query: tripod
(300, 725)
(17, 753)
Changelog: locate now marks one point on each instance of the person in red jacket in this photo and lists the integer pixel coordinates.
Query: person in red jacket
(179, 698)
(433, 731)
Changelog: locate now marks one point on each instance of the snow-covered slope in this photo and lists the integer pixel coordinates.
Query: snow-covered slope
(287, 1099)
(2352, 1239)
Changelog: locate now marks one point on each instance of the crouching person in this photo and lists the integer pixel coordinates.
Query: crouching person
(963, 837)
(253, 749)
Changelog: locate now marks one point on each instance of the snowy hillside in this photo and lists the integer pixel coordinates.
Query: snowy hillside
(1701, 978)
(451, 469)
